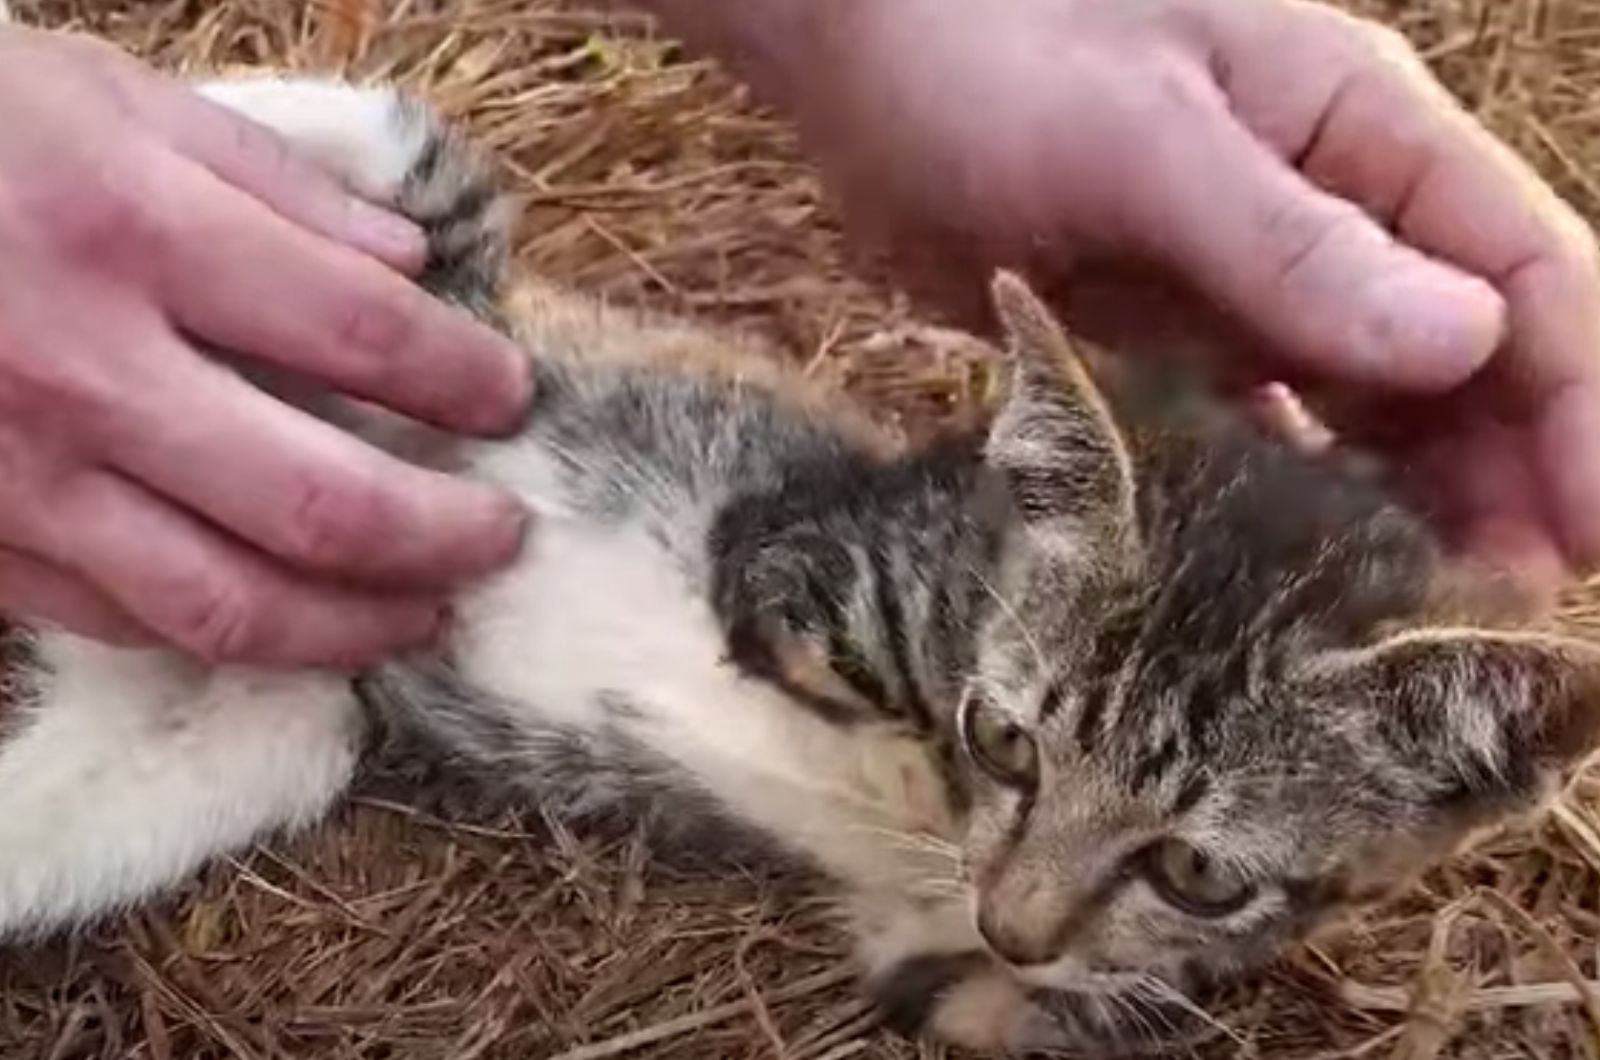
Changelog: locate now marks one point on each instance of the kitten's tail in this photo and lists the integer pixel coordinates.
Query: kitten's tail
(395, 151)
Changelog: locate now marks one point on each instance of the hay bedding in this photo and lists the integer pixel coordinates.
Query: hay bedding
(405, 930)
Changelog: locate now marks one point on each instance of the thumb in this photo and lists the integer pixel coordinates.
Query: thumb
(1326, 286)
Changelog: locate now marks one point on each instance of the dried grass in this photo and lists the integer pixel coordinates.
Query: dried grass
(393, 933)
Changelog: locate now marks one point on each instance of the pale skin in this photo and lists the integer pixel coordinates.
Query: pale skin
(1295, 172)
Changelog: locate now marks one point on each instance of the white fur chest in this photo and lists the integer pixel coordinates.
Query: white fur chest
(596, 614)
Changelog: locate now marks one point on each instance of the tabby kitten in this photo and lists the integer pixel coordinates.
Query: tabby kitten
(1111, 700)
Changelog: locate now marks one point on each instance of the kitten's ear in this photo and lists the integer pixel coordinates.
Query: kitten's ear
(1495, 714)
(1054, 438)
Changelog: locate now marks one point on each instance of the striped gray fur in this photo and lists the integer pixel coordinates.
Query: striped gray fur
(1112, 699)
(1156, 603)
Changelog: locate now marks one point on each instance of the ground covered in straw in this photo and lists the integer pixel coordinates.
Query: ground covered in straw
(405, 930)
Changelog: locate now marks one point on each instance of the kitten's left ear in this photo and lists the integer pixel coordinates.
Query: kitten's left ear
(1054, 439)
(1494, 714)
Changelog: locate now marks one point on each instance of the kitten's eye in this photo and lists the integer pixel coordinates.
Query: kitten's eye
(1001, 746)
(1191, 880)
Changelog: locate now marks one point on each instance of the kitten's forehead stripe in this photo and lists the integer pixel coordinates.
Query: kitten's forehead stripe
(893, 617)
(1111, 657)
(1090, 712)
(1152, 766)
(1054, 695)
(1190, 793)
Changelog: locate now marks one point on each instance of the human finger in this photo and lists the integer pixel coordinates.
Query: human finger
(299, 488)
(214, 598)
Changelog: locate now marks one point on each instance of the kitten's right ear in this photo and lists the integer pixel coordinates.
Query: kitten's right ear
(1493, 715)
(1054, 439)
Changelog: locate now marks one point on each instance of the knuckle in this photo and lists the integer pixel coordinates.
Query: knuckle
(90, 49)
(1297, 219)
(333, 526)
(74, 402)
(120, 81)
(97, 218)
(1295, 231)
(1366, 47)
(1380, 40)
(38, 481)
(1161, 91)
(1572, 249)
(214, 619)
(258, 147)
(373, 324)
(1348, 41)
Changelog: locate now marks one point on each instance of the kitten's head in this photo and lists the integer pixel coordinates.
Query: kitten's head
(1223, 698)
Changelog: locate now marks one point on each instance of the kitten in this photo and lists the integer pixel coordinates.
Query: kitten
(1110, 701)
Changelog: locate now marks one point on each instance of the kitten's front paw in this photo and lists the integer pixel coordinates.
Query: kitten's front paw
(369, 137)
(970, 1001)
(964, 1000)
(390, 148)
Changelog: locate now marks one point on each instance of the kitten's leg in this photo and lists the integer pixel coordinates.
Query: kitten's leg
(122, 772)
(388, 149)
(128, 770)
(969, 1000)
(392, 150)
(931, 977)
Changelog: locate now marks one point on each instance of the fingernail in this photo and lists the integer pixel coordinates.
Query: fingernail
(387, 236)
(433, 627)
(503, 413)
(443, 624)
(507, 527)
(431, 624)
(1433, 327)
(408, 625)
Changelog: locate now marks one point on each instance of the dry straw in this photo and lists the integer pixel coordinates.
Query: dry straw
(399, 932)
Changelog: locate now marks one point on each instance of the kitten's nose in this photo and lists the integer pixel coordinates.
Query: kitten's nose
(1010, 940)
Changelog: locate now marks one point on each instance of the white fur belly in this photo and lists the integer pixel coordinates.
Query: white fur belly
(595, 612)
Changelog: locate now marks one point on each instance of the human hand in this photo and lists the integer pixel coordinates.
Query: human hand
(1288, 165)
(146, 491)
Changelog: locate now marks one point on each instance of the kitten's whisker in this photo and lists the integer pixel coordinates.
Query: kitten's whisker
(913, 841)
(1147, 1018)
(929, 839)
(1123, 1008)
(1165, 991)
(924, 891)
(947, 887)
(838, 793)
(1116, 1028)
(1144, 1001)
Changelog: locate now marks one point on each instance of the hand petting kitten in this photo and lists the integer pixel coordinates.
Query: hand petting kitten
(147, 494)
(1072, 734)
(1272, 180)
(1277, 183)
